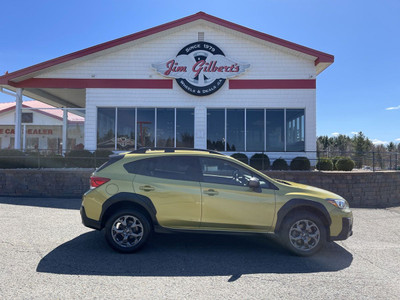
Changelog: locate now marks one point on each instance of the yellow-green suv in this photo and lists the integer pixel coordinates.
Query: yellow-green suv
(204, 191)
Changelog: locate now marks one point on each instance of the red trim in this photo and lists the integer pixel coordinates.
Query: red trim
(12, 108)
(235, 84)
(40, 110)
(95, 83)
(320, 56)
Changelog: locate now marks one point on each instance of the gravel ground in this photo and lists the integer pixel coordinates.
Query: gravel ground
(46, 253)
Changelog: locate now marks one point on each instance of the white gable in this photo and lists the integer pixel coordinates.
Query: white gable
(267, 61)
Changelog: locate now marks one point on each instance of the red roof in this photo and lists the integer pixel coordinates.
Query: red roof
(320, 57)
(54, 113)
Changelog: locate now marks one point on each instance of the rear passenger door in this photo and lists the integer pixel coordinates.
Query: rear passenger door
(172, 184)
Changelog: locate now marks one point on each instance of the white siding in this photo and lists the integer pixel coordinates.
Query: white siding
(135, 61)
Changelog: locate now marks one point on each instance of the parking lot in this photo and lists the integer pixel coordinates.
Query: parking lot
(46, 253)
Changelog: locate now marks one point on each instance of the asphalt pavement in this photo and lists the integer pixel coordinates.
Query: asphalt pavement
(46, 253)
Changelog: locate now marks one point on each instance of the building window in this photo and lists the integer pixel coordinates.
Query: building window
(155, 127)
(165, 127)
(106, 128)
(255, 136)
(264, 128)
(32, 143)
(185, 127)
(26, 117)
(145, 127)
(275, 129)
(295, 130)
(126, 129)
(235, 130)
(216, 129)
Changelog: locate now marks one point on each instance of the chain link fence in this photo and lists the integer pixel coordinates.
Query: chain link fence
(373, 160)
(44, 158)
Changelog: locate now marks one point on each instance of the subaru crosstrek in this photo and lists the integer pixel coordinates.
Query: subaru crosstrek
(193, 190)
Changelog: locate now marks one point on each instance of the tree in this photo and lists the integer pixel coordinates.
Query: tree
(391, 147)
(342, 143)
(361, 145)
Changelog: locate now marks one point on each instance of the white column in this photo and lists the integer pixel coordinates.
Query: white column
(64, 130)
(18, 116)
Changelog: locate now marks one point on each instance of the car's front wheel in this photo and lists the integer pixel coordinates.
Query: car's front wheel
(303, 233)
(127, 230)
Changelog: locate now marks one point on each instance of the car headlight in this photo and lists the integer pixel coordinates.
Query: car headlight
(339, 203)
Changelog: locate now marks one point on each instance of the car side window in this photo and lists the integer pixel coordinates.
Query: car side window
(168, 167)
(220, 171)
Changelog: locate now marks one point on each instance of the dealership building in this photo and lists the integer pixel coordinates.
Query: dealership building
(41, 127)
(199, 81)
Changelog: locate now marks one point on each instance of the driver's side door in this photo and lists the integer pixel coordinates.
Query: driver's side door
(227, 201)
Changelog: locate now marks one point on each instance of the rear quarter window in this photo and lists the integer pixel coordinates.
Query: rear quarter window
(168, 167)
(112, 160)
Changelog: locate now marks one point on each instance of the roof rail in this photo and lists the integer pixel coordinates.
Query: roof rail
(170, 149)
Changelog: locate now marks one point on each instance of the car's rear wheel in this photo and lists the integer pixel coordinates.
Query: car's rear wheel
(303, 233)
(127, 230)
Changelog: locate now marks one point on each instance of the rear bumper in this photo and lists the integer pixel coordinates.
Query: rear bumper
(347, 230)
(89, 222)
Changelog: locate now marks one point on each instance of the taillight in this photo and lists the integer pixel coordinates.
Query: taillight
(97, 181)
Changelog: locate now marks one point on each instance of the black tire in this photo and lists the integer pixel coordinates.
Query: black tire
(299, 239)
(128, 237)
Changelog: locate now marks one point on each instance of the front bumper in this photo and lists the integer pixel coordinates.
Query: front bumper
(347, 230)
(89, 222)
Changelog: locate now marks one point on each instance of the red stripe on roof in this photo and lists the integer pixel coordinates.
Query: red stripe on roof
(272, 84)
(95, 83)
(320, 56)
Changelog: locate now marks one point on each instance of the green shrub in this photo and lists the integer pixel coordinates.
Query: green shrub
(32, 160)
(345, 164)
(260, 161)
(280, 164)
(241, 157)
(101, 156)
(300, 163)
(11, 159)
(324, 164)
(52, 161)
(335, 159)
(79, 159)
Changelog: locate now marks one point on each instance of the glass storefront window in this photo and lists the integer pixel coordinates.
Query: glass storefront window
(235, 130)
(275, 129)
(106, 128)
(32, 143)
(255, 130)
(295, 130)
(145, 127)
(165, 127)
(216, 129)
(185, 127)
(125, 129)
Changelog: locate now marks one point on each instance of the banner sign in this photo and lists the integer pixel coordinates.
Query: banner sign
(200, 68)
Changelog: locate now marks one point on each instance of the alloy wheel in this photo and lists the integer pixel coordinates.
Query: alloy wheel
(127, 231)
(304, 235)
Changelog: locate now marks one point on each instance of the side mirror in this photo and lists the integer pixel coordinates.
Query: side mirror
(254, 183)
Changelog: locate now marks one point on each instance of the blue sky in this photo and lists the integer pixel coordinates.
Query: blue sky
(354, 94)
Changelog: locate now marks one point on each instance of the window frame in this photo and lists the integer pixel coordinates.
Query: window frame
(135, 125)
(265, 146)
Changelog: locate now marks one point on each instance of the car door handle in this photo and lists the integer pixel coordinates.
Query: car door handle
(146, 188)
(211, 192)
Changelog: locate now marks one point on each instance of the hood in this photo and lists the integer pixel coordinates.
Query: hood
(293, 188)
